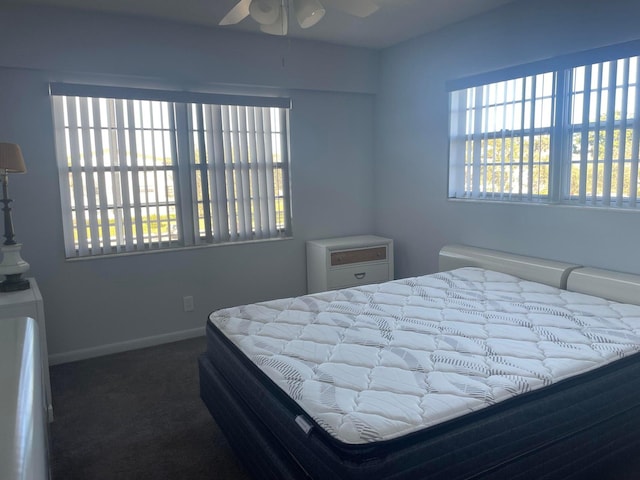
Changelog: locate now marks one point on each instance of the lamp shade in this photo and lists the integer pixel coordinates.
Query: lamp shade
(308, 12)
(11, 159)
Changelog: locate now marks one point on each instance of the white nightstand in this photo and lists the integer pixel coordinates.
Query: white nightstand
(342, 262)
(28, 303)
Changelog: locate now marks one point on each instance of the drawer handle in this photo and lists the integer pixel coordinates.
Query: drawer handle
(360, 276)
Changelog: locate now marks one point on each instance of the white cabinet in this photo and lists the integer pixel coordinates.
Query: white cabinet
(23, 424)
(343, 262)
(28, 303)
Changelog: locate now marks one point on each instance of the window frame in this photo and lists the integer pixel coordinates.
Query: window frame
(562, 130)
(72, 165)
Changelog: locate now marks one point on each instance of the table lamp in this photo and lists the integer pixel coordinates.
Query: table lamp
(12, 266)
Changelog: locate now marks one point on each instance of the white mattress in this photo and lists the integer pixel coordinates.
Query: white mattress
(379, 361)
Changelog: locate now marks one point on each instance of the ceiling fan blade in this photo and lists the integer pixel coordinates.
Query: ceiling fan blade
(358, 8)
(237, 13)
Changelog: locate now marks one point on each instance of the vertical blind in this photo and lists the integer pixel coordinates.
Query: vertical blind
(143, 174)
(565, 136)
(240, 171)
(500, 139)
(604, 132)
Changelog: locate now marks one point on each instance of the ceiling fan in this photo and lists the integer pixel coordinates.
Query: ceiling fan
(273, 15)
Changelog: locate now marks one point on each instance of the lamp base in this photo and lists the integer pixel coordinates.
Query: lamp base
(14, 283)
(13, 267)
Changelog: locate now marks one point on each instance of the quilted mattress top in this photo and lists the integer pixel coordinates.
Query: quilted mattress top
(376, 362)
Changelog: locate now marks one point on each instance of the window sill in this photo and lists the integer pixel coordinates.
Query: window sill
(176, 249)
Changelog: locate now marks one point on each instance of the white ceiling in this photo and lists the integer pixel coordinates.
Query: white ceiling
(394, 22)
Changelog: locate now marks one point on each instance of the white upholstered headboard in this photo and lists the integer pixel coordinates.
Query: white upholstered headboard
(616, 286)
(549, 272)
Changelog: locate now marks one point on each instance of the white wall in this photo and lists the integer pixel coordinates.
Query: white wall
(101, 305)
(96, 306)
(412, 145)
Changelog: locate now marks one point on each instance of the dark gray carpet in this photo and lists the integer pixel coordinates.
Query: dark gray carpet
(137, 415)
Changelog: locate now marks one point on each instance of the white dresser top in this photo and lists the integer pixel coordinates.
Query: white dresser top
(356, 241)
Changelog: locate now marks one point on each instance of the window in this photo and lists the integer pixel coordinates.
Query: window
(563, 135)
(144, 170)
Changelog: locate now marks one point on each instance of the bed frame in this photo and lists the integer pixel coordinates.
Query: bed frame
(549, 272)
(596, 426)
(616, 286)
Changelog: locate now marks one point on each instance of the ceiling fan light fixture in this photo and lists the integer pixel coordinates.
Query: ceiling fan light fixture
(280, 26)
(308, 12)
(265, 12)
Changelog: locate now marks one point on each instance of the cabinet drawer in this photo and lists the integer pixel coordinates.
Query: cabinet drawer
(19, 310)
(357, 275)
(346, 257)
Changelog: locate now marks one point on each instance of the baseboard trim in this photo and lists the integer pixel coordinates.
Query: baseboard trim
(108, 349)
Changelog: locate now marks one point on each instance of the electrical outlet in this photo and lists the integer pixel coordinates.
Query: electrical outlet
(187, 303)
